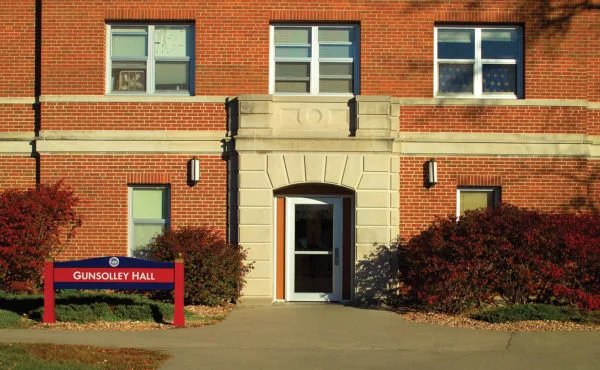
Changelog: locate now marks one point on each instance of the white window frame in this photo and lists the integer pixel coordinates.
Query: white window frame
(478, 63)
(166, 221)
(150, 60)
(495, 190)
(314, 58)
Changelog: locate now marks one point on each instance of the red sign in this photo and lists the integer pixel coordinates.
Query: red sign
(114, 273)
(123, 275)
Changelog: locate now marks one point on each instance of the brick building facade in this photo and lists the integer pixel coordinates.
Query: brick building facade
(314, 122)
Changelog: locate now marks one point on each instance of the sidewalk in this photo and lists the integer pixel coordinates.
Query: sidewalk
(322, 336)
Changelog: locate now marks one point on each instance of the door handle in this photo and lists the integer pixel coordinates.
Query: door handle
(337, 256)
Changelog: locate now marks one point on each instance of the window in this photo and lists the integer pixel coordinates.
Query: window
(149, 216)
(314, 59)
(474, 198)
(478, 62)
(150, 59)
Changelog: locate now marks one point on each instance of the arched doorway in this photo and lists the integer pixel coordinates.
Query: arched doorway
(314, 235)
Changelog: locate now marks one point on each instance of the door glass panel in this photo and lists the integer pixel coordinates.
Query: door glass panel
(313, 273)
(314, 227)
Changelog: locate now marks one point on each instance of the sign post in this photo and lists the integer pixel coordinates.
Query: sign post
(114, 273)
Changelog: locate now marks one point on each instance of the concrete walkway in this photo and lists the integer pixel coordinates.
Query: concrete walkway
(322, 336)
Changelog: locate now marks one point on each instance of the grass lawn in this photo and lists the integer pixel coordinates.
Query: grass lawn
(87, 310)
(54, 356)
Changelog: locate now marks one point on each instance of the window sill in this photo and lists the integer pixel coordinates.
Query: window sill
(480, 97)
(146, 94)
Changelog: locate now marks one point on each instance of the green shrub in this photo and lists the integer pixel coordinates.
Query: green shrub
(9, 319)
(81, 313)
(214, 269)
(76, 306)
(537, 312)
(138, 312)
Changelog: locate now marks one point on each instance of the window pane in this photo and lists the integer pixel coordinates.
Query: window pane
(285, 35)
(292, 71)
(172, 41)
(335, 51)
(292, 87)
(149, 203)
(129, 45)
(455, 78)
(128, 76)
(471, 200)
(335, 35)
(335, 86)
(313, 273)
(456, 44)
(292, 52)
(172, 76)
(336, 69)
(499, 78)
(500, 44)
(143, 233)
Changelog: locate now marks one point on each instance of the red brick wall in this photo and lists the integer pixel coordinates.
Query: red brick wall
(548, 184)
(533, 120)
(17, 171)
(562, 61)
(101, 183)
(16, 118)
(133, 116)
(232, 42)
(17, 48)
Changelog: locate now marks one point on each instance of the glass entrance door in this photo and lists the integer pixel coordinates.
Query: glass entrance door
(313, 249)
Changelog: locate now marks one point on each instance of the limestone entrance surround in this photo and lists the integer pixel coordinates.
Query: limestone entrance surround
(283, 141)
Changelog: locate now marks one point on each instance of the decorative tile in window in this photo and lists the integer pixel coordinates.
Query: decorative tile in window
(456, 78)
(499, 78)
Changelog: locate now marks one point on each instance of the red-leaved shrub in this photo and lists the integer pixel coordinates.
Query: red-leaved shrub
(34, 224)
(214, 269)
(511, 253)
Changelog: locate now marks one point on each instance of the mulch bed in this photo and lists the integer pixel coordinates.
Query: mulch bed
(463, 321)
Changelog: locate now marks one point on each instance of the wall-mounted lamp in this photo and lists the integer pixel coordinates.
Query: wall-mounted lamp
(432, 172)
(194, 170)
